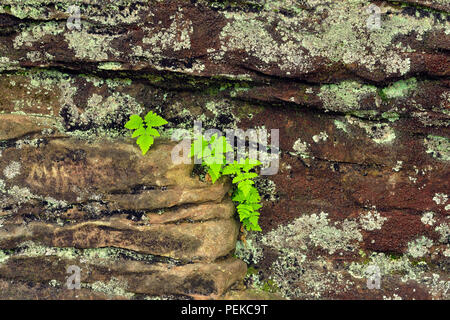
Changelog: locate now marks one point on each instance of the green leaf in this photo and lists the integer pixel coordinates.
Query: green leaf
(214, 171)
(253, 196)
(145, 142)
(134, 122)
(197, 147)
(152, 119)
(247, 165)
(220, 145)
(254, 228)
(232, 168)
(256, 206)
(152, 132)
(238, 196)
(214, 175)
(244, 176)
(138, 132)
(245, 186)
(254, 220)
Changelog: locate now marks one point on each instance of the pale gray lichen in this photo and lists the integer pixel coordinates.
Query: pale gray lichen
(404, 266)
(114, 287)
(249, 251)
(322, 136)
(301, 149)
(2, 186)
(440, 198)
(400, 89)
(379, 132)
(90, 46)
(428, 218)
(438, 147)
(3, 257)
(341, 37)
(112, 66)
(345, 96)
(371, 220)
(444, 231)
(398, 166)
(341, 125)
(175, 37)
(6, 64)
(315, 230)
(12, 170)
(419, 247)
(387, 266)
(35, 33)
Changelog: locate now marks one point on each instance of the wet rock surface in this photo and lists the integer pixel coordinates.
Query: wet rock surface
(363, 114)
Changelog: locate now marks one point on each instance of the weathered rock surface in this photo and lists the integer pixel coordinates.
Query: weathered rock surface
(363, 114)
(124, 278)
(62, 192)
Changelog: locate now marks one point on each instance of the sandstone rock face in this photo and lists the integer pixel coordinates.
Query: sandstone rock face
(137, 226)
(363, 114)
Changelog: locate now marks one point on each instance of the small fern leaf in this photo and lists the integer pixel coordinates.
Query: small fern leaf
(145, 142)
(134, 123)
(152, 119)
(152, 132)
(138, 132)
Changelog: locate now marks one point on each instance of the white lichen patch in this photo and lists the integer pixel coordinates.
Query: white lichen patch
(91, 46)
(322, 136)
(176, 37)
(301, 149)
(21, 195)
(419, 247)
(115, 287)
(446, 252)
(398, 166)
(114, 66)
(315, 231)
(394, 297)
(371, 220)
(35, 33)
(251, 251)
(340, 125)
(440, 198)
(444, 231)
(428, 218)
(6, 64)
(345, 96)
(105, 111)
(12, 170)
(380, 133)
(3, 257)
(248, 31)
(438, 147)
(341, 36)
(2, 186)
(387, 266)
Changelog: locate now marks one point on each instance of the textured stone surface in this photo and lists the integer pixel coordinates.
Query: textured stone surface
(63, 197)
(128, 279)
(364, 137)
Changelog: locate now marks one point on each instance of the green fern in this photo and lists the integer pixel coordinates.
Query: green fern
(144, 129)
(246, 193)
(213, 155)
